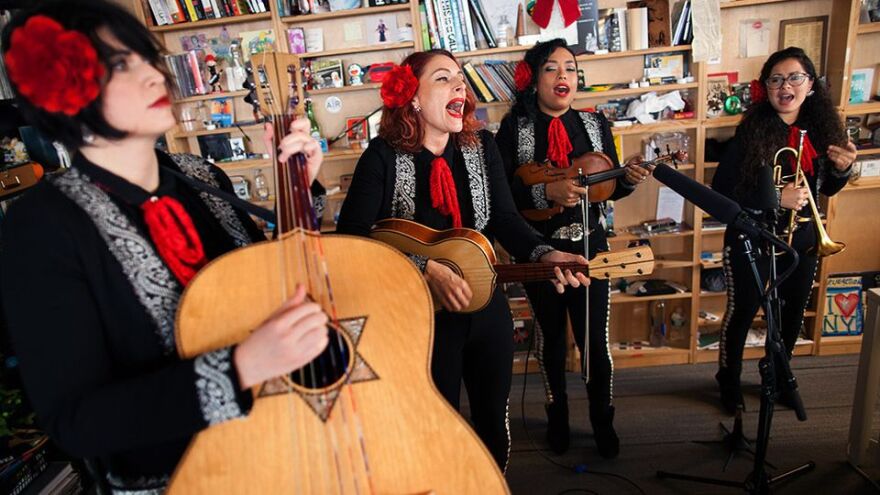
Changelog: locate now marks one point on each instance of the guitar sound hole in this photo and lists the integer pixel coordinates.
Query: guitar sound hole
(329, 367)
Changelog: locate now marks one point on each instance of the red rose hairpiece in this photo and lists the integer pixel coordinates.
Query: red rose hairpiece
(54, 68)
(757, 91)
(399, 86)
(522, 77)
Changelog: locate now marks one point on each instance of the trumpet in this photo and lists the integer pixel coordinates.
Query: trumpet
(826, 246)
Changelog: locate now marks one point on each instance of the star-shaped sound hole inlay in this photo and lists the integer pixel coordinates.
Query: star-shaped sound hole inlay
(319, 382)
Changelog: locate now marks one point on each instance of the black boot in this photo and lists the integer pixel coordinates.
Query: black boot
(731, 392)
(602, 418)
(557, 424)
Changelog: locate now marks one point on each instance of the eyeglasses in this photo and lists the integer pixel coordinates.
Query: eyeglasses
(795, 79)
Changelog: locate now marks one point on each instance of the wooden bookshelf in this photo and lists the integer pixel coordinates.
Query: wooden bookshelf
(349, 13)
(649, 356)
(492, 51)
(748, 3)
(344, 89)
(220, 130)
(863, 108)
(188, 26)
(868, 151)
(359, 49)
(213, 96)
(633, 53)
(873, 27)
(614, 93)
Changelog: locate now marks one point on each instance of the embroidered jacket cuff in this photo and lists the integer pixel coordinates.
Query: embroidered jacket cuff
(217, 386)
(840, 174)
(539, 251)
(539, 196)
(419, 261)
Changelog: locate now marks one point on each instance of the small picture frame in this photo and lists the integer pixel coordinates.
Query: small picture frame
(327, 74)
(238, 149)
(808, 33)
(358, 132)
(241, 187)
(296, 40)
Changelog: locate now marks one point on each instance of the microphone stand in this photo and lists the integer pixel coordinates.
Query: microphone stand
(774, 363)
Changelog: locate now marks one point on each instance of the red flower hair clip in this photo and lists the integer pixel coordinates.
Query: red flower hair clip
(54, 68)
(757, 91)
(522, 77)
(399, 86)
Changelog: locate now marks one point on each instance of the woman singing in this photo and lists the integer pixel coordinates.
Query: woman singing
(430, 164)
(95, 259)
(787, 98)
(542, 126)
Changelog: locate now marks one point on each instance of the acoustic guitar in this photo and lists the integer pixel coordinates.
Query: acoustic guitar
(364, 417)
(470, 255)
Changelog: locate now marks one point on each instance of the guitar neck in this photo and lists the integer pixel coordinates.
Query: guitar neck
(535, 272)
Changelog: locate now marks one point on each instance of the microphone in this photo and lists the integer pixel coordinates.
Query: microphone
(766, 190)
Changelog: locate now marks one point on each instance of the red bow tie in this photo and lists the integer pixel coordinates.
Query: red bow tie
(175, 236)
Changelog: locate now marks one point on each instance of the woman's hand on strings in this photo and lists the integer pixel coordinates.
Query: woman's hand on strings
(564, 192)
(566, 278)
(298, 141)
(452, 291)
(289, 339)
(635, 173)
(794, 198)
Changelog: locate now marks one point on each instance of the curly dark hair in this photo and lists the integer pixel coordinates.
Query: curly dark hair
(401, 126)
(763, 132)
(526, 101)
(88, 17)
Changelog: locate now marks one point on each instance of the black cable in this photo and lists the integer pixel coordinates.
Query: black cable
(577, 468)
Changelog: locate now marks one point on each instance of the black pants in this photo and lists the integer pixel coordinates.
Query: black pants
(478, 348)
(743, 300)
(551, 309)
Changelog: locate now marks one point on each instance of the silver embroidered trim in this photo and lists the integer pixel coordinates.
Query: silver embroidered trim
(403, 201)
(507, 428)
(591, 124)
(196, 167)
(154, 285)
(418, 260)
(573, 232)
(608, 345)
(540, 250)
(479, 183)
(728, 313)
(144, 485)
(215, 389)
(319, 203)
(539, 196)
(525, 131)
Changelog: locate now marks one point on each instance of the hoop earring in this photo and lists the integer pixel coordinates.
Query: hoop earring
(88, 136)
(811, 93)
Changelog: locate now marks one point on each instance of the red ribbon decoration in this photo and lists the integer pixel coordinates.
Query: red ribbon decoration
(558, 144)
(443, 194)
(808, 154)
(175, 236)
(571, 12)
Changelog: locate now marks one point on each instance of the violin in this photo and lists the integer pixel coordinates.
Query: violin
(593, 169)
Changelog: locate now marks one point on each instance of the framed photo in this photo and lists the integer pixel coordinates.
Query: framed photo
(327, 73)
(236, 144)
(809, 33)
(718, 89)
(358, 132)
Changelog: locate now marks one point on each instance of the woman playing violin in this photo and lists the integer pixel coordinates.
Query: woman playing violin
(432, 165)
(543, 126)
(95, 259)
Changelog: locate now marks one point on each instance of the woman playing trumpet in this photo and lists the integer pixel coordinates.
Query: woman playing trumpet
(787, 99)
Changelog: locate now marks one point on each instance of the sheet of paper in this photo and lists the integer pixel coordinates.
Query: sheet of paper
(354, 31)
(754, 38)
(669, 204)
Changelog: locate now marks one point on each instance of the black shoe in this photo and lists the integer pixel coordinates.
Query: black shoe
(602, 419)
(558, 433)
(731, 393)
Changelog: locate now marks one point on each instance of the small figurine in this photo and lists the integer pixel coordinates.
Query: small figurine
(677, 318)
(214, 77)
(355, 75)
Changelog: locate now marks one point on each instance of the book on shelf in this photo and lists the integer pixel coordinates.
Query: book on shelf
(587, 27)
(188, 69)
(166, 12)
(457, 25)
(658, 21)
(637, 28)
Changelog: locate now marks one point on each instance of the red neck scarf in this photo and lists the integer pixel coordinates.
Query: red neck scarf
(807, 154)
(443, 194)
(175, 236)
(558, 144)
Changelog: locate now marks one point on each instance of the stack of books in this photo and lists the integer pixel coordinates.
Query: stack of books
(492, 80)
(166, 12)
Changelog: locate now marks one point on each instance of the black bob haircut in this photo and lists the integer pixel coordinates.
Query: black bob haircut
(87, 17)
